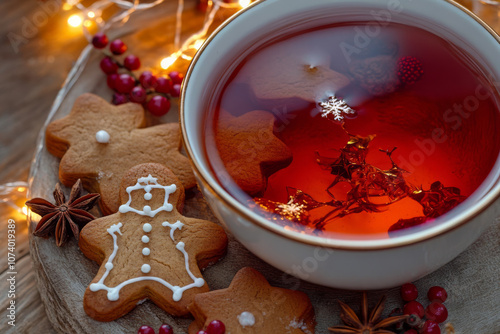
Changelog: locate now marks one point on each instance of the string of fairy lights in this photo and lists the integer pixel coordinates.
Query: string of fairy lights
(87, 17)
(90, 18)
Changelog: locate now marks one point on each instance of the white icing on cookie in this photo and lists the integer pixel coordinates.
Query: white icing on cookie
(176, 226)
(246, 319)
(146, 268)
(102, 137)
(148, 183)
(113, 292)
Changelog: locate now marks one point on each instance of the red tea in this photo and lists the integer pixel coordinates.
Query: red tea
(386, 130)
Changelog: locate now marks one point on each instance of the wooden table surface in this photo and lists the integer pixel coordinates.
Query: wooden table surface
(36, 54)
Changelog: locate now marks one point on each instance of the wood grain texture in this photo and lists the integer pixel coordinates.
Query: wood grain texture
(30, 81)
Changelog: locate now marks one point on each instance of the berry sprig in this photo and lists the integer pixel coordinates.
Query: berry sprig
(420, 320)
(154, 93)
(214, 327)
(164, 329)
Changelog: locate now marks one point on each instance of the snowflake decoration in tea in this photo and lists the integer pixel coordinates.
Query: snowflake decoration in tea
(335, 107)
(296, 209)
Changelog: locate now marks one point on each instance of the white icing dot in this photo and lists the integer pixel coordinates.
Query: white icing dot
(146, 268)
(148, 196)
(113, 295)
(145, 239)
(246, 319)
(146, 251)
(147, 227)
(147, 210)
(108, 266)
(102, 137)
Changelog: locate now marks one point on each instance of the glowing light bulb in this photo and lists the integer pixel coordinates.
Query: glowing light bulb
(199, 42)
(167, 62)
(75, 20)
(91, 14)
(244, 3)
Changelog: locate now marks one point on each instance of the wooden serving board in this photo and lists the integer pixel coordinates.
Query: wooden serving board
(64, 273)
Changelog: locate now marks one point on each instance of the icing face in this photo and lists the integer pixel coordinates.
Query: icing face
(114, 231)
(102, 137)
(246, 319)
(148, 183)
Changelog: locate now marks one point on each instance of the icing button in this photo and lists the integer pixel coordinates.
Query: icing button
(146, 268)
(146, 251)
(145, 239)
(147, 227)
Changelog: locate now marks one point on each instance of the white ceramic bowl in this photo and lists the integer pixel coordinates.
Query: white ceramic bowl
(347, 264)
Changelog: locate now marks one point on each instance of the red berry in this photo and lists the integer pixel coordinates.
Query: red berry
(216, 327)
(163, 85)
(146, 330)
(108, 66)
(176, 90)
(132, 63)
(138, 95)
(202, 5)
(111, 80)
(409, 292)
(437, 294)
(117, 47)
(414, 307)
(166, 329)
(430, 327)
(411, 331)
(124, 83)
(147, 80)
(158, 105)
(436, 312)
(176, 77)
(409, 70)
(119, 99)
(99, 40)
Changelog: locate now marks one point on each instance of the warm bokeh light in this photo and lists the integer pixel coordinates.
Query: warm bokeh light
(167, 62)
(244, 3)
(91, 14)
(24, 210)
(87, 24)
(199, 42)
(66, 6)
(75, 20)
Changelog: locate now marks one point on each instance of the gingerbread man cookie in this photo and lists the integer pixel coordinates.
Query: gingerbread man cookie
(249, 149)
(98, 142)
(251, 305)
(148, 249)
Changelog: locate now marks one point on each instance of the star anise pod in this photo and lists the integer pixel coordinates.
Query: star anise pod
(64, 216)
(368, 325)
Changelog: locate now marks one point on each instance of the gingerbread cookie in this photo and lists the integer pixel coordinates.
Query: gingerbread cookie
(98, 142)
(249, 149)
(148, 249)
(285, 72)
(251, 305)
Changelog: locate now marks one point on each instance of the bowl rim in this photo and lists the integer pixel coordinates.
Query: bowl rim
(326, 242)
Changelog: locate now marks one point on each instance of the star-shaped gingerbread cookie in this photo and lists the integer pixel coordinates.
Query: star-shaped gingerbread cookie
(98, 142)
(251, 305)
(249, 149)
(148, 250)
